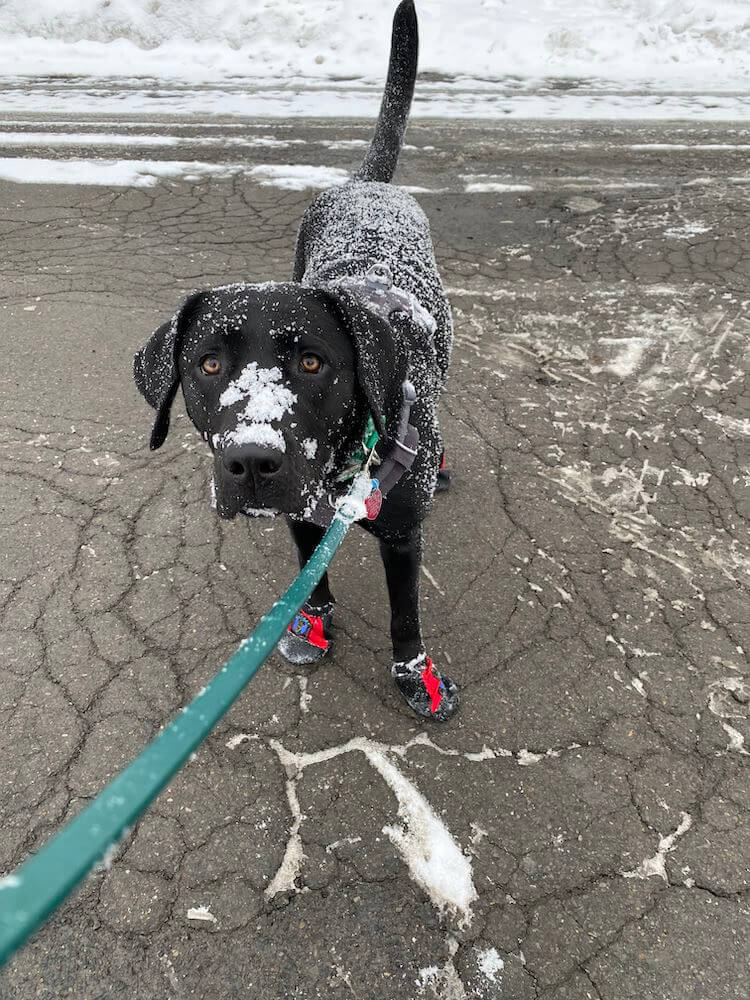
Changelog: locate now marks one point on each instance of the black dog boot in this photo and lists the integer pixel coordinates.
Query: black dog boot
(427, 692)
(308, 638)
(443, 483)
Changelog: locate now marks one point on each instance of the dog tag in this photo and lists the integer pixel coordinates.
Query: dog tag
(373, 504)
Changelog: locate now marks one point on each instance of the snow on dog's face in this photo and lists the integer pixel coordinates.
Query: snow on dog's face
(278, 379)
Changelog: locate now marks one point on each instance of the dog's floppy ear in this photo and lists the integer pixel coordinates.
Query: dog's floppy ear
(155, 368)
(381, 360)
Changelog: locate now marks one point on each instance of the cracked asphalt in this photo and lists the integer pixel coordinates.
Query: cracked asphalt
(588, 579)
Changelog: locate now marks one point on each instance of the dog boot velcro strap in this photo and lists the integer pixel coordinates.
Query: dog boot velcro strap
(427, 692)
(307, 637)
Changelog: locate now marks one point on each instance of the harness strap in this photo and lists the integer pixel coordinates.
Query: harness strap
(377, 292)
(398, 462)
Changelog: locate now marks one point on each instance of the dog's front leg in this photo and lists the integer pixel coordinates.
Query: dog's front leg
(402, 560)
(308, 637)
(427, 691)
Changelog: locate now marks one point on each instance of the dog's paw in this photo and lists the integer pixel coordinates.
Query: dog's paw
(308, 637)
(426, 691)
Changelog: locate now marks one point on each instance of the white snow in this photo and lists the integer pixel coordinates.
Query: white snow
(261, 511)
(310, 447)
(285, 878)
(704, 44)
(263, 392)
(127, 138)
(434, 859)
(630, 351)
(253, 99)
(201, 913)
(109, 173)
(252, 433)
(239, 739)
(473, 186)
(436, 862)
(655, 865)
(266, 400)
(490, 964)
(732, 426)
(298, 176)
(10, 882)
(736, 739)
(526, 758)
(629, 59)
(686, 231)
(86, 139)
(304, 697)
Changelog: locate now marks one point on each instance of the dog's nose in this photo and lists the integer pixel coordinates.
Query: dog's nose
(252, 461)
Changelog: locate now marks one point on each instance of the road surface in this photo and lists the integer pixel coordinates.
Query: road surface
(582, 830)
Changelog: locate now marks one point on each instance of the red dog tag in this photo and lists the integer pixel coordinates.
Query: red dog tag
(373, 504)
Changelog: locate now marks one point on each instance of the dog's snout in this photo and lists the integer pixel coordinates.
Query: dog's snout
(252, 461)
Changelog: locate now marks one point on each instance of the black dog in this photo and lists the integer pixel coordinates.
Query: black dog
(286, 382)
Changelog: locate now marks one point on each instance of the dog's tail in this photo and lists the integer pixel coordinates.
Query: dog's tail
(380, 160)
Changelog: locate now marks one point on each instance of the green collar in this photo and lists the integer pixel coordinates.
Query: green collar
(361, 453)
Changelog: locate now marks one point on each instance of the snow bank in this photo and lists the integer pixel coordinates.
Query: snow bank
(703, 45)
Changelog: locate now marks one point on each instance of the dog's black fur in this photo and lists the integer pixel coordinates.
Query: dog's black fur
(293, 451)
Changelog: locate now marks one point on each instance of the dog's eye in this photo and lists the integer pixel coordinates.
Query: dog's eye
(310, 364)
(210, 365)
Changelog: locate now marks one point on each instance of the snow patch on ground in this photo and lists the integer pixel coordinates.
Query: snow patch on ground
(201, 913)
(490, 964)
(285, 879)
(732, 426)
(655, 865)
(473, 185)
(298, 176)
(736, 740)
(443, 982)
(628, 354)
(86, 139)
(107, 173)
(687, 231)
(435, 860)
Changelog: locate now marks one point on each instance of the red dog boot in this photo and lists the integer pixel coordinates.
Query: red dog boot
(427, 692)
(307, 638)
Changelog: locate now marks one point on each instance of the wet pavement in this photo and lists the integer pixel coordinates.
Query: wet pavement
(582, 830)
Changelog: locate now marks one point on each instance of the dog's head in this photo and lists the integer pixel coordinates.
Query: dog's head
(279, 379)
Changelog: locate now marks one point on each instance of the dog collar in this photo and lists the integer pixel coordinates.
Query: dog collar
(398, 461)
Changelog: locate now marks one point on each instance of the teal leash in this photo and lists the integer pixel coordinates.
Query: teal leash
(30, 894)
